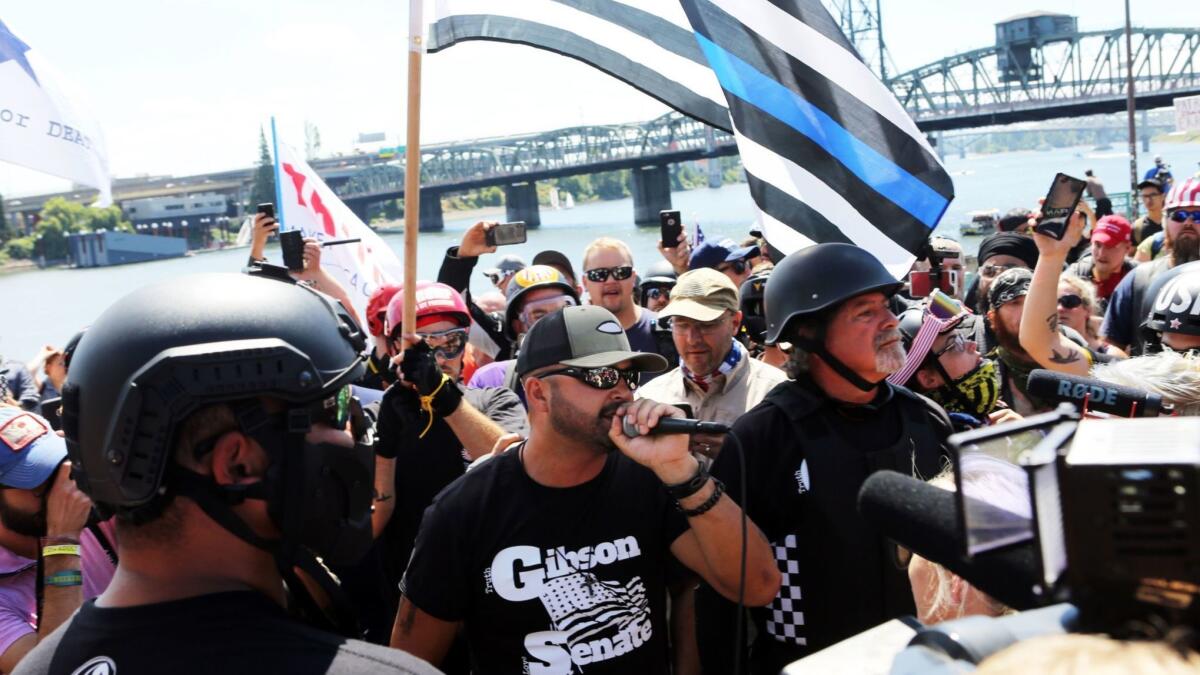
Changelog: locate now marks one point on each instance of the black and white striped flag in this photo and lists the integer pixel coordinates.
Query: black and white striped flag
(649, 46)
(829, 152)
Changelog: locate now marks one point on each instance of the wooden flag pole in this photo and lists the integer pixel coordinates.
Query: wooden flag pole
(412, 164)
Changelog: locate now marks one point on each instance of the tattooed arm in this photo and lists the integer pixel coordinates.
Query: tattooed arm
(1039, 334)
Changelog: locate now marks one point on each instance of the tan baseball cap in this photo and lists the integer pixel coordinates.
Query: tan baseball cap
(702, 294)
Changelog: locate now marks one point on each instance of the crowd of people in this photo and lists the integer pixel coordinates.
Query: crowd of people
(241, 464)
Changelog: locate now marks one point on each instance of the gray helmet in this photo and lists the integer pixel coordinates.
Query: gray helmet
(659, 274)
(163, 351)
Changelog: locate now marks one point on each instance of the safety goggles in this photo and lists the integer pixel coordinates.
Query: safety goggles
(1070, 301)
(536, 309)
(604, 377)
(1181, 215)
(658, 294)
(601, 274)
(738, 266)
(447, 344)
(497, 277)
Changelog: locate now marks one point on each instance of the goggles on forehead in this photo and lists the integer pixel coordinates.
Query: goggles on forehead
(536, 309)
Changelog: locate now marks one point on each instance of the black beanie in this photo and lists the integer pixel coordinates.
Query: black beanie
(1009, 243)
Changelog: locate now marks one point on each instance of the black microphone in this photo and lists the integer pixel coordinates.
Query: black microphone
(1101, 396)
(675, 425)
(923, 519)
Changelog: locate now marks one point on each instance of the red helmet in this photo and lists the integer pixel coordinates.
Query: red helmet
(435, 302)
(377, 307)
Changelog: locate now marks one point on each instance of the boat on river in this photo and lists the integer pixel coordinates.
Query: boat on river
(980, 223)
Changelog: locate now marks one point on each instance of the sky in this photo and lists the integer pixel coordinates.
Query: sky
(182, 87)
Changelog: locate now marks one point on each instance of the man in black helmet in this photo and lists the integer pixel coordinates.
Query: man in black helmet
(211, 414)
(808, 447)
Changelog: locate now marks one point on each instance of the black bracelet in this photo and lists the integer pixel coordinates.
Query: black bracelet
(718, 490)
(689, 487)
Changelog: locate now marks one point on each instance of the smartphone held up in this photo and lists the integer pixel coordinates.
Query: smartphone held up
(505, 234)
(671, 226)
(1061, 201)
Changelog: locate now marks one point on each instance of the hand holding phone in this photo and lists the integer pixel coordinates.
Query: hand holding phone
(1061, 201)
(670, 226)
(504, 234)
(292, 245)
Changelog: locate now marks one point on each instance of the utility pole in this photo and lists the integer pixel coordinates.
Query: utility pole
(1130, 105)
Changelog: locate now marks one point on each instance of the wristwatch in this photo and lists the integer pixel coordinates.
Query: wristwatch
(689, 487)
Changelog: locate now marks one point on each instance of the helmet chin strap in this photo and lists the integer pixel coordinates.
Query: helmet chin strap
(817, 347)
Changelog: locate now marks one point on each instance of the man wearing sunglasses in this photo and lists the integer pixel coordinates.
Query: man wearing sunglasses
(210, 414)
(808, 447)
(608, 280)
(42, 510)
(715, 376)
(726, 257)
(555, 554)
(1127, 305)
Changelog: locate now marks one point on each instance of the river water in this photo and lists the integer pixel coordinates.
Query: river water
(48, 306)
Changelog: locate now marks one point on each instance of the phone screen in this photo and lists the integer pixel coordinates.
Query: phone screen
(671, 226)
(1060, 203)
(505, 234)
(994, 489)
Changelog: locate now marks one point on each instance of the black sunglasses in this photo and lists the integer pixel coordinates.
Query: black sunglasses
(1070, 301)
(604, 377)
(1181, 215)
(600, 274)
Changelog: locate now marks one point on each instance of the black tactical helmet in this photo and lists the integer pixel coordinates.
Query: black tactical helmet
(819, 278)
(750, 300)
(1173, 301)
(164, 351)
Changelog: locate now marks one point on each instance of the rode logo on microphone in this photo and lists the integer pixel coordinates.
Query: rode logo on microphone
(1089, 391)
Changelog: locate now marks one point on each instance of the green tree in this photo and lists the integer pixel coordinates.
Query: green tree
(6, 232)
(611, 184)
(264, 176)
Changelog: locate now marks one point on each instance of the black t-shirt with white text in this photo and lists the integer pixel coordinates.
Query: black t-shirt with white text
(220, 633)
(550, 580)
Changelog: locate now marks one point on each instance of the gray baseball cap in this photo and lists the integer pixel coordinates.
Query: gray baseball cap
(584, 337)
(509, 264)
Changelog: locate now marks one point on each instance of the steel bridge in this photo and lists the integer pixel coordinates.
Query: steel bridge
(1080, 73)
(517, 162)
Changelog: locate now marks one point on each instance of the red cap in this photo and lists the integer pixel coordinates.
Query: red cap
(1112, 230)
(433, 299)
(377, 305)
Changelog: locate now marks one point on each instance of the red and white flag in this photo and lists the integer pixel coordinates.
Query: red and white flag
(307, 204)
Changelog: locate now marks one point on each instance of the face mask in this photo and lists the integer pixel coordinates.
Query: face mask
(974, 393)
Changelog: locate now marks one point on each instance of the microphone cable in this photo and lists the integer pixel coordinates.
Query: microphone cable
(740, 629)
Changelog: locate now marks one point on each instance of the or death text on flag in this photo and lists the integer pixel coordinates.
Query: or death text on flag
(307, 204)
(647, 44)
(830, 154)
(43, 126)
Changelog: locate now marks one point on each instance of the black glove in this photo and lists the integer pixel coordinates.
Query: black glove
(420, 369)
(398, 406)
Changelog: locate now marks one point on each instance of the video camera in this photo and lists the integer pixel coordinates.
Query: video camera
(1089, 521)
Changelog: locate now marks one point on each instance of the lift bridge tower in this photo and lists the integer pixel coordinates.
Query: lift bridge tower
(862, 22)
